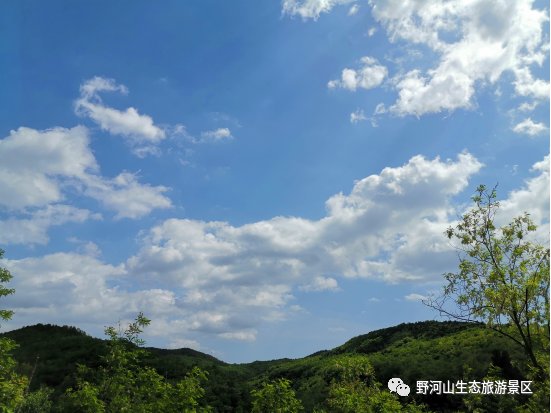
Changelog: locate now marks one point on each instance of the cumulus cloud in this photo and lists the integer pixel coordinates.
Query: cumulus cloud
(32, 227)
(138, 129)
(529, 127)
(370, 75)
(236, 277)
(66, 284)
(39, 169)
(287, 249)
(32, 163)
(526, 85)
(533, 197)
(310, 9)
(200, 279)
(125, 195)
(78, 289)
(474, 44)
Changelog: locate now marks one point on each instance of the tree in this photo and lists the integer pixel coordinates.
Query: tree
(354, 389)
(276, 396)
(503, 278)
(12, 385)
(123, 384)
(5, 276)
(38, 401)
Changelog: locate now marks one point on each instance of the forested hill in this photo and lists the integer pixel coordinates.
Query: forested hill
(427, 350)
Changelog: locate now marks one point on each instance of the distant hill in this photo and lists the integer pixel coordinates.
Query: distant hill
(428, 350)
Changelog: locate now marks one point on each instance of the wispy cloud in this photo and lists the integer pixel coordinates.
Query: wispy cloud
(138, 129)
(357, 116)
(310, 9)
(216, 135)
(415, 297)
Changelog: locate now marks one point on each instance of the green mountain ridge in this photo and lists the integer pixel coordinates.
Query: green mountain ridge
(428, 350)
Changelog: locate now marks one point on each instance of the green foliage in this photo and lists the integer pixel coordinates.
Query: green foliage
(5, 276)
(123, 384)
(503, 277)
(353, 385)
(355, 389)
(12, 385)
(39, 401)
(276, 396)
(60, 349)
(414, 351)
(503, 281)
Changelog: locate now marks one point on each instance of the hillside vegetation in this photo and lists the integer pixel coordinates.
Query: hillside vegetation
(428, 350)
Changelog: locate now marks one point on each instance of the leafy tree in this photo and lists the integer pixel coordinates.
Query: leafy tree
(276, 396)
(503, 278)
(12, 385)
(123, 384)
(354, 389)
(38, 401)
(5, 276)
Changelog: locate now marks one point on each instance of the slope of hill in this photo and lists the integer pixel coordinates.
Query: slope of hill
(427, 350)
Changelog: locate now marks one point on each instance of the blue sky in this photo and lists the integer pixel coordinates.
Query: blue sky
(261, 179)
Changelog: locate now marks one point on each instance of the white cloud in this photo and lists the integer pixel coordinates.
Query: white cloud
(474, 43)
(33, 162)
(369, 76)
(533, 198)
(353, 10)
(237, 277)
(371, 31)
(357, 116)
(70, 285)
(310, 9)
(40, 169)
(89, 89)
(528, 107)
(216, 135)
(245, 335)
(125, 195)
(529, 127)
(33, 228)
(380, 109)
(526, 85)
(415, 297)
(177, 343)
(218, 280)
(321, 284)
(419, 95)
(138, 129)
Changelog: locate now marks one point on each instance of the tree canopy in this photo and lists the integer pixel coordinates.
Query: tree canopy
(503, 277)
